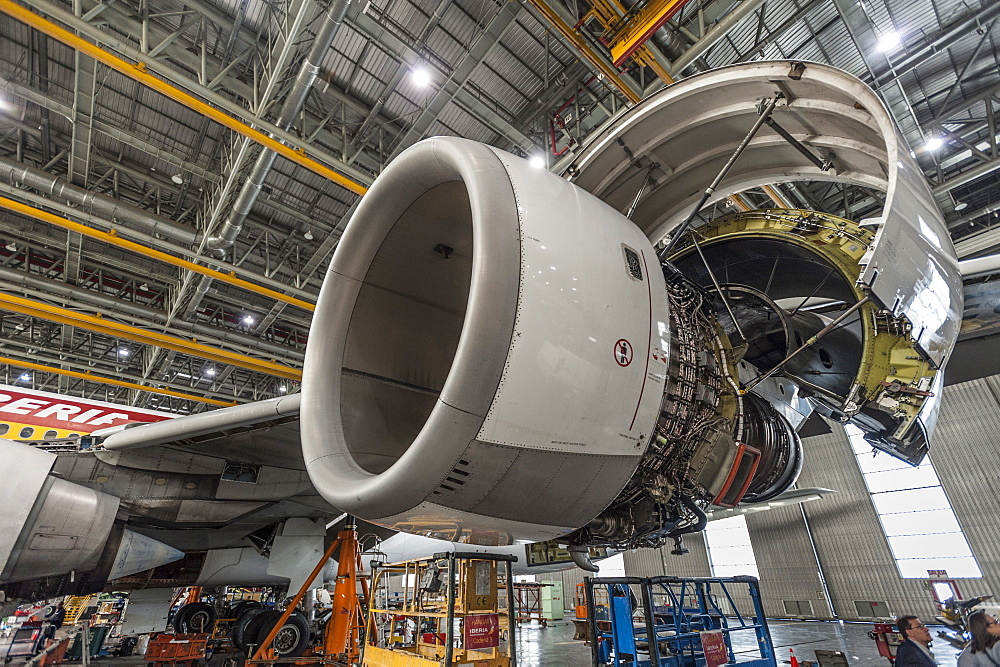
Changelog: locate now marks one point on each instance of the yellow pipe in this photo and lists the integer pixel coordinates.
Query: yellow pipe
(116, 329)
(740, 203)
(580, 45)
(105, 380)
(113, 238)
(780, 201)
(138, 72)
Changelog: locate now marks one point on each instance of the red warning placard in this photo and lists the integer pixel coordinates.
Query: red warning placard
(482, 631)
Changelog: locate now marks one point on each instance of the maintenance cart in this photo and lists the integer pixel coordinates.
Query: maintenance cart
(675, 622)
(443, 610)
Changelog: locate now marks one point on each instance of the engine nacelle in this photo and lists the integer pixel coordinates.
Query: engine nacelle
(492, 352)
(62, 537)
(498, 348)
(50, 526)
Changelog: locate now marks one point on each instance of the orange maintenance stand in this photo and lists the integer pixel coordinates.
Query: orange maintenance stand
(182, 649)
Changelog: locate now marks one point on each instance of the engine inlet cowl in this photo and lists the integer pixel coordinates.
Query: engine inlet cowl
(487, 355)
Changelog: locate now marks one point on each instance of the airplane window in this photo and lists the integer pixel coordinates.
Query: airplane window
(51, 434)
(27, 432)
(4, 428)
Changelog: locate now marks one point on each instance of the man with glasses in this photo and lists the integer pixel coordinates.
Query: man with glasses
(915, 650)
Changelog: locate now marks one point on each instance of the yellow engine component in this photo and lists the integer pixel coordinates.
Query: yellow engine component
(893, 376)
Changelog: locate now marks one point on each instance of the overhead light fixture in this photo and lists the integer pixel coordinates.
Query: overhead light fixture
(178, 179)
(308, 236)
(889, 41)
(144, 287)
(11, 246)
(961, 205)
(421, 77)
(210, 372)
(123, 352)
(25, 377)
(282, 389)
(934, 143)
(537, 161)
(248, 319)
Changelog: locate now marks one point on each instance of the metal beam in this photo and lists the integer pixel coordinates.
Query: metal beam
(138, 72)
(112, 238)
(574, 38)
(90, 377)
(116, 329)
(714, 34)
(640, 27)
(967, 176)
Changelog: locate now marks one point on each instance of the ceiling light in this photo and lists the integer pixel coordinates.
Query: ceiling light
(537, 161)
(248, 319)
(123, 352)
(308, 236)
(421, 77)
(144, 287)
(25, 377)
(210, 372)
(888, 42)
(282, 389)
(961, 205)
(11, 246)
(178, 179)
(934, 143)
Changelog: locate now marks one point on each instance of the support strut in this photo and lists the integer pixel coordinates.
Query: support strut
(710, 190)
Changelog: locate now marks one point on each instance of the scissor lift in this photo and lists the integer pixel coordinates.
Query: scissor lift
(684, 622)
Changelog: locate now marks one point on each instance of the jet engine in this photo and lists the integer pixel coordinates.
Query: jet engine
(507, 358)
(51, 527)
(505, 355)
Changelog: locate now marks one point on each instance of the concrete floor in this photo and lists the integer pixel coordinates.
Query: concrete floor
(554, 646)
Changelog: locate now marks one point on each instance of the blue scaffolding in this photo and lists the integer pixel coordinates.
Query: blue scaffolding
(673, 619)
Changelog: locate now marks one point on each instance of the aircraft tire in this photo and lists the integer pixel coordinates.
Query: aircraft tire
(198, 617)
(292, 639)
(236, 611)
(239, 633)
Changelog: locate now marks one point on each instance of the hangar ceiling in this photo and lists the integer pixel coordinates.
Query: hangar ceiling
(144, 243)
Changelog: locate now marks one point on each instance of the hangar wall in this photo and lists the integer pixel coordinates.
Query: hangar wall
(849, 543)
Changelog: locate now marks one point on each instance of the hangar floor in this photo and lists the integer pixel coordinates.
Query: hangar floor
(554, 645)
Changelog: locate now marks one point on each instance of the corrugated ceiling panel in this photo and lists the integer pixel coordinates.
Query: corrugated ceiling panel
(411, 18)
(347, 48)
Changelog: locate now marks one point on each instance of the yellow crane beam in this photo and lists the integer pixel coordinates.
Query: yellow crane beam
(18, 363)
(567, 32)
(112, 238)
(98, 324)
(137, 71)
(641, 27)
(610, 12)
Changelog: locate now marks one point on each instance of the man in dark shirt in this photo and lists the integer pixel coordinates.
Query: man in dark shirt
(55, 621)
(915, 650)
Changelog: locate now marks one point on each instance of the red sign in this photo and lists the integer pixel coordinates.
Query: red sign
(714, 647)
(481, 631)
(623, 352)
(40, 408)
